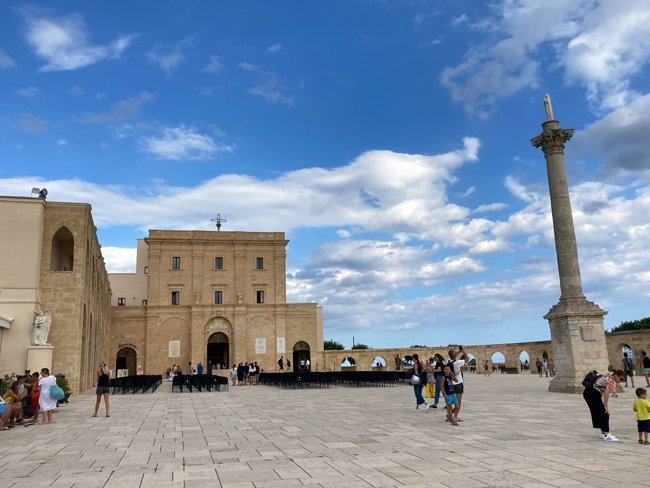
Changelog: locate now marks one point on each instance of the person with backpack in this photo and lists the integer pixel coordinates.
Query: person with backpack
(598, 389)
(628, 367)
(420, 373)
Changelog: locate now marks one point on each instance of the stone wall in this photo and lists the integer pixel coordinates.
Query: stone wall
(78, 299)
(637, 340)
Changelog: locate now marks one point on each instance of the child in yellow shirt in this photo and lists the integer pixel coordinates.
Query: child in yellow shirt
(642, 408)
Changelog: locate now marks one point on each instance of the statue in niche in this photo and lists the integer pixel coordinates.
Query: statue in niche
(41, 328)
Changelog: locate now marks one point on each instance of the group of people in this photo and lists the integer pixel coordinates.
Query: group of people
(303, 365)
(447, 375)
(545, 367)
(29, 390)
(245, 374)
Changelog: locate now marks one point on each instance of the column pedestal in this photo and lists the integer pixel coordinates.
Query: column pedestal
(578, 343)
(39, 357)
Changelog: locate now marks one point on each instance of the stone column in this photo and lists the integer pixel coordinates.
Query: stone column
(577, 331)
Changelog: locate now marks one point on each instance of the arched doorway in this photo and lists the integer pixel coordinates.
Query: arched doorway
(378, 363)
(301, 356)
(524, 361)
(218, 347)
(498, 361)
(125, 362)
(348, 364)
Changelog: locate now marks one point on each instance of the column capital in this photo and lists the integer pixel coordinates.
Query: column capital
(552, 137)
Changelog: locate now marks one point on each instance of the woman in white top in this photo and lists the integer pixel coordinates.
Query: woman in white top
(46, 403)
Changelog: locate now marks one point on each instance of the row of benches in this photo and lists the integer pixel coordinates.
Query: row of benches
(199, 382)
(355, 379)
(133, 384)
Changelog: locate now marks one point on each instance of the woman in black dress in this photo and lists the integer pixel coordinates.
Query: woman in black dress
(103, 389)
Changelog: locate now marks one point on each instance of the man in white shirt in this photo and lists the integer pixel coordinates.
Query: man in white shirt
(456, 364)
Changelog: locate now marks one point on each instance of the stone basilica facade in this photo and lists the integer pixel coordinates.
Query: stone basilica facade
(214, 297)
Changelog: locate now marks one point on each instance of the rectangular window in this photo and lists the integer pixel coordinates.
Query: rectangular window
(259, 263)
(176, 298)
(176, 262)
(218, 262)
(260, 296)
(146, 270)
(121, 302)
(144, 303)
(218, 297)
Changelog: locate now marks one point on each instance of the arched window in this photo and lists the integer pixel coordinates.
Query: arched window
(62, 257)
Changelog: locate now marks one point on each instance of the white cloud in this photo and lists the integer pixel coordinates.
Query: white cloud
(274, 48)
(29, 92)
(490, 207)
(63, 43)
(169, 57)
(599, 44)
(61, 142)
(620, 138)
(470, 191)
(124, 109)
(461, 19)
(214, 66)
(119, 259)
(33, 124)
(183, 143)
(6, 61)
(269, 85)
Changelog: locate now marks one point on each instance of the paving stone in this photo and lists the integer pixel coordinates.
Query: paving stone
(515, 434)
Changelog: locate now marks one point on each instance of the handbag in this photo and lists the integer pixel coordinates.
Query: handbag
(415, 380)
(56, 392)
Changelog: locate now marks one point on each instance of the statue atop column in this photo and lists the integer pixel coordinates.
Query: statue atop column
(41, 327)
(577, 331)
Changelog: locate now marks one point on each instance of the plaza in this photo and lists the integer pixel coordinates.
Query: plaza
(515, 434)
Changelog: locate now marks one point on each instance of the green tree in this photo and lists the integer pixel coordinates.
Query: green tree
(332, 345)
(641, 324)
(418, 346)
(359, 345)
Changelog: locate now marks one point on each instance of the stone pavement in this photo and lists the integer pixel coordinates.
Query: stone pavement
(515, 434)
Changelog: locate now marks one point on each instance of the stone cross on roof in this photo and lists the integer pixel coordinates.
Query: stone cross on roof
(218, 220)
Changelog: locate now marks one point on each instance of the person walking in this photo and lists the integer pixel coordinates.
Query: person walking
(103, 388)
(598, 389)
(199, 368)
(451, 399)
(46, 403)
(418, 370)
(646, 367)
(539, 365)
(628, 368)
(437, 377)
(281, 364)
(233, 374)
(457, 360)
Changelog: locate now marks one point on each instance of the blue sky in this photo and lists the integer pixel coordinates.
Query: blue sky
(388, 139)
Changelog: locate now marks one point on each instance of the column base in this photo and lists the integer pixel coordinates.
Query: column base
(39, 357)
(578, 342)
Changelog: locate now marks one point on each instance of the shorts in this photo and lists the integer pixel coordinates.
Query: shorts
(102, 389)
(646, 370)
(629, 372)
(3, 408)
(643, 425)
(459, 389)
(451, 399)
